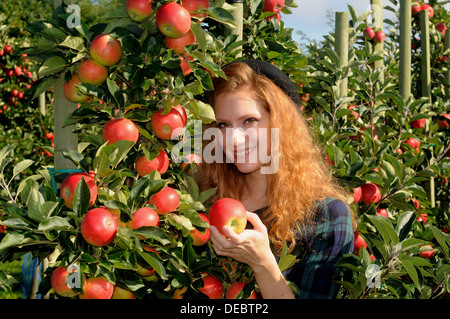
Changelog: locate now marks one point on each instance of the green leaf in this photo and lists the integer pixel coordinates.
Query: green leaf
(74, 43)
(115, 92)
(411, 270)
(20, 167)
(207, 194)
(385, 229)
(44, 84)
(52, 65)
(404, 223)
(55, 223)
(153, 232)
(11, 240)
(200, 35)
(155, 263)
(440, 239)
(81, 198)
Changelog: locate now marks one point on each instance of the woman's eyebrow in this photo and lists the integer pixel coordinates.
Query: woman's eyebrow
(245, 116)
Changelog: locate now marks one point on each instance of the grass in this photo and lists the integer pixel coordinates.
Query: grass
(12, 268)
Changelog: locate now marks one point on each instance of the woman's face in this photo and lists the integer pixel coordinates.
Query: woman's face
(245, 126)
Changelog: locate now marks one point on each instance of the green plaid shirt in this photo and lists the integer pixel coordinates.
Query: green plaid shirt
(331, 238)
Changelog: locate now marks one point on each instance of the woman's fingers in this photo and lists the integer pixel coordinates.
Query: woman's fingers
(256, 222)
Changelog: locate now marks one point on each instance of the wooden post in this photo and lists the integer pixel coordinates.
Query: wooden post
(238, 14)
(377, 6)
(425, 57)
(65, 139)
(426, 82)
(341, 46)
(405, 49)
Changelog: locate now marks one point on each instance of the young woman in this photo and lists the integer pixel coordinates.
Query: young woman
(294, 200)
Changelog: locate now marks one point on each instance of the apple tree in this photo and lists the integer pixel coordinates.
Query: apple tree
(153, 77)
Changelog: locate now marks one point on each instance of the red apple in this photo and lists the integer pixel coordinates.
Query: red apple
(166, 200)
(92, 72)
(418, 123)
(426, 251)
(359, 242)
(422, 218)
(69, 184)
(190, 158)
(415, 203)
(379, 36)
(98, 227)
(184, 65)
(178, 44)
(97, 288)
(273, 5)
(416, 8)
(179, 292)
(138, 10)
(173, 20)
(105, 50)
(382, 212)
(59, 282)
(441, 27)
(228, 212)
(18, 70)
(199, 238)
(212, 287)
(120, 129)
(443, 121)
(73, 93)
(368, 33)
(415, 144)
(167, 126)
(144, 216)
(7, 49)
(357, 194)
(235, 289)
(370, 193)
(428, 8)
(159, 163)
(354, 115)
(122, 293)
(194, 5)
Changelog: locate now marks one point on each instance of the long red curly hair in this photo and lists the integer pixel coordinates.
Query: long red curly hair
(303, 177)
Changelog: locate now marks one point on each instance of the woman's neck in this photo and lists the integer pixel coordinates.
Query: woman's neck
(254, 194)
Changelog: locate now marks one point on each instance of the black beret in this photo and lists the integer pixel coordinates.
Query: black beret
(275, 75)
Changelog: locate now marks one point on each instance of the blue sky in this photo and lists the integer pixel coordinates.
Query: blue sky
(311, 15)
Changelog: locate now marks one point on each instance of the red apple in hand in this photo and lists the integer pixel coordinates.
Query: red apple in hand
(236, 289)
(120, 129)
(98, 227)
(173, 20)
(159, 163)
(273, 5)
(228, 212)
(212, 287)
(97, 288)
(138, 10)
(72, 92)
(166, 200)
(105, 50)
(199, 238)
(167, 126)
(69, 184)
(91, 72)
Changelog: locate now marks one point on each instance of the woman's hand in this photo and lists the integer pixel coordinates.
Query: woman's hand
(252, 246)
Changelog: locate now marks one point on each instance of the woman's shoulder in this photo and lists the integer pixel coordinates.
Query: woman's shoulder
(331, 209)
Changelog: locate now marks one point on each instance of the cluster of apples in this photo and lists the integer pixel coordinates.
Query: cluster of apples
(18, 76)
(416, 8)
(104, 51)
(376, 36)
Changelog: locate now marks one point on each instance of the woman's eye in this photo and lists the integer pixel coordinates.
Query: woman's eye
(221, 125)
(251, 120)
